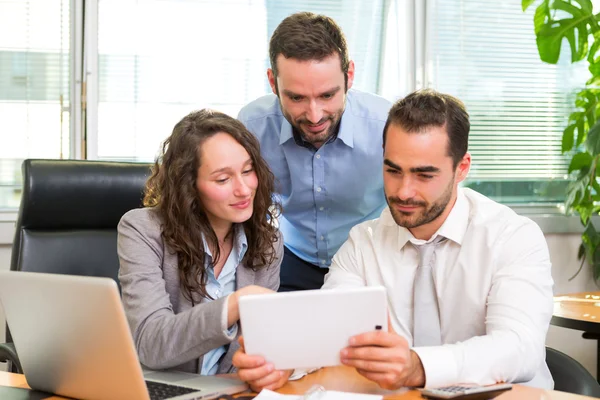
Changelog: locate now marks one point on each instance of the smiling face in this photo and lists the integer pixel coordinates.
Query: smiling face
(226, 181)
(312, 95)
(419, 178)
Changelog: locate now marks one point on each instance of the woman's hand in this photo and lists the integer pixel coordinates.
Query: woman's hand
(233, 311)
(258, 373)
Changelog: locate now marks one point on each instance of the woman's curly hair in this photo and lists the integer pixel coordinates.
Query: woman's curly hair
(171, 190)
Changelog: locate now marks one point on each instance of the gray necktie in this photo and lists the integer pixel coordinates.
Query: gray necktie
(426, 314)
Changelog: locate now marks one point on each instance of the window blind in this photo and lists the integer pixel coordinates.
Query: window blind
(34, 87)
(485, 54)
(159, 60)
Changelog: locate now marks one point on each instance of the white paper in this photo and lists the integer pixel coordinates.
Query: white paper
(328, 395)
(333, 395)
(266, 394)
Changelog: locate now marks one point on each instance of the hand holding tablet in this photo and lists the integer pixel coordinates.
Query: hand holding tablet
(308, 329)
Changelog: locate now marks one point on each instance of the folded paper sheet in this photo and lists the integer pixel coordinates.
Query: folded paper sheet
(326, 395)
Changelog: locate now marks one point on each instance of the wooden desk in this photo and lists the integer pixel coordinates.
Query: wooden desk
(346, 379)
(580, 311)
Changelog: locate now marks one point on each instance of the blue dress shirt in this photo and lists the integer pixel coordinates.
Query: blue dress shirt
(222, 286)
(324, 192)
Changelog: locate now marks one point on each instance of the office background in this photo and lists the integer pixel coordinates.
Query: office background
(108, 79)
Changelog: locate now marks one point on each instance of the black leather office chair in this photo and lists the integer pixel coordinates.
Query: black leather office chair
(569, 375)
(68, 218)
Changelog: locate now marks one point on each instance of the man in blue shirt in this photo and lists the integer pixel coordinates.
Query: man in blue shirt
(323, 142)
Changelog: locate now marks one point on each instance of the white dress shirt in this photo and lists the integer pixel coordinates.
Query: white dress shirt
(493, 285)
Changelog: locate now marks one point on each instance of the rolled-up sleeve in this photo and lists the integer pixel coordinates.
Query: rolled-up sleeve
(519, 309)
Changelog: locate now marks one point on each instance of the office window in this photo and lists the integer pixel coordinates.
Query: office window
(486, 55)
(159, 60)
(34, 87)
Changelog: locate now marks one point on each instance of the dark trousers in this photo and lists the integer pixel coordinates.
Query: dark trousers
(297, 274)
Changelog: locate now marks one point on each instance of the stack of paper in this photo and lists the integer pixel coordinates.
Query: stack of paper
(327, 395)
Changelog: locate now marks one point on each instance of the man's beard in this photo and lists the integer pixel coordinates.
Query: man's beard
(429, 213)
(322, 137)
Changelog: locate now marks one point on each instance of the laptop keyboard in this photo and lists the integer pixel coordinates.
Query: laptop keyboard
(162, 391)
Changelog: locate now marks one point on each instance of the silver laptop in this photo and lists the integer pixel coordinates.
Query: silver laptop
(73, 340)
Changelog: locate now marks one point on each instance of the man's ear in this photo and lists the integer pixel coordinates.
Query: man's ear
(272, 81)
(350, 74)
(463, 167)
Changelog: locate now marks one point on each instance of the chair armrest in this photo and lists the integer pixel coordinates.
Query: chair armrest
(8, 353)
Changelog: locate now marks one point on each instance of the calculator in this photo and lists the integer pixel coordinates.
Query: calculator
(466, 392)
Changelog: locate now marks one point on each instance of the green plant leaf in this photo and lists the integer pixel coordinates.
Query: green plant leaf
(596, 267)
(580, 126)
(576, 191)
(591, 107)
(585, 209)
(592, 55)
(593, 81)
(594, 60)
(591, 239)
(570, 200)
(576, 28)
(579, 161)
(526, 3)
(578, 37)
(586, 5)
(592, 141)
(581, 251)
(573, 21)
(542, 13)
(588, 102)
(596, 185)
(591, 243)
(568, 138)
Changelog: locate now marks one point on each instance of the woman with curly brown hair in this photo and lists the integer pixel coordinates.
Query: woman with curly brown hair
(204, 239)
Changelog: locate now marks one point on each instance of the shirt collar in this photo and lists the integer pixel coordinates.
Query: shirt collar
(346, 131)
(286, 131)
(240, 242)
(453, 228)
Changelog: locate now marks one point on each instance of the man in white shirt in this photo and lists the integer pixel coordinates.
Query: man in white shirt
(481, 311)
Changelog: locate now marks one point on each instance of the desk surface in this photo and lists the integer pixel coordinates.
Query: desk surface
(579, 311)
(347, 379)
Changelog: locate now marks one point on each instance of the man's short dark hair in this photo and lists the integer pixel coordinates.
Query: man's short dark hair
(426, 108)
(307, 36)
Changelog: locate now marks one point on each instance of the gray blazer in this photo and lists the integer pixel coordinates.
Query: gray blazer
(167, 331)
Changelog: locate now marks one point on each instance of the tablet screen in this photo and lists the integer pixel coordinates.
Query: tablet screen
(308, 329)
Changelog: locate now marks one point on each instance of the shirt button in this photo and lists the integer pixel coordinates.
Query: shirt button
(323, 262)
(322, 237)
(321, 208)
(318, 156)
(318, 189)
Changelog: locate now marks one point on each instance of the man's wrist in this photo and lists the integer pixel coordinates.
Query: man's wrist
(417, 376)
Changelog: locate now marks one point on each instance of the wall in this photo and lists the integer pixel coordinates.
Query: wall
(563, 254)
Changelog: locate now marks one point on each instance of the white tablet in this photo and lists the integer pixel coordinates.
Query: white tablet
(308, 329)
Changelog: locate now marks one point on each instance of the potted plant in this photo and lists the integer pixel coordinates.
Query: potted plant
(575, 21)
